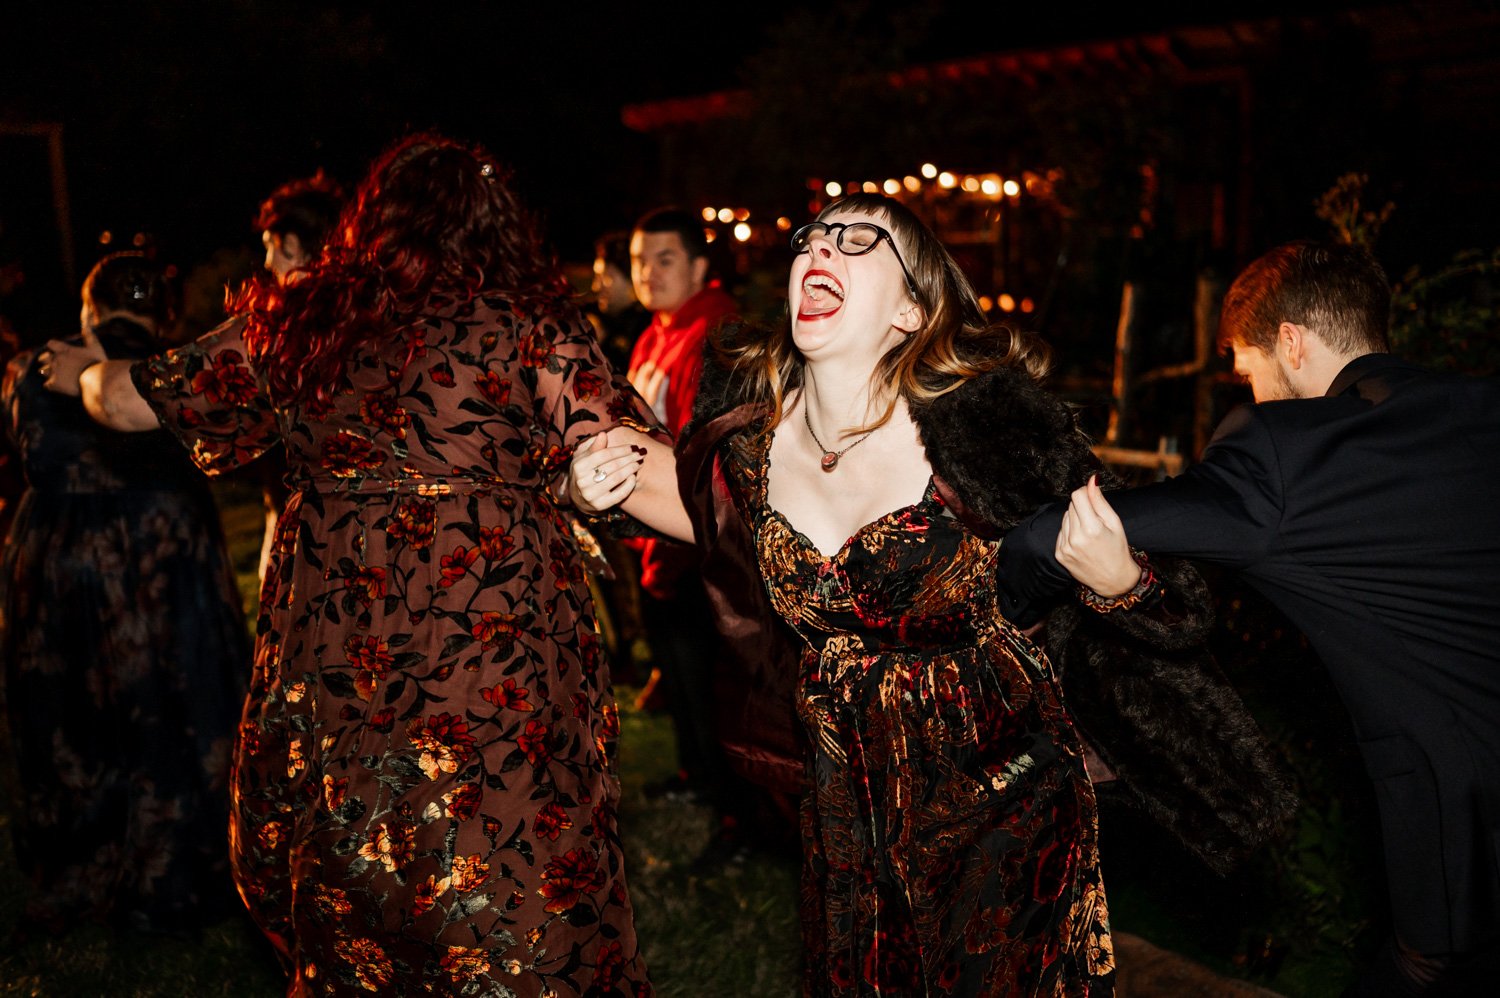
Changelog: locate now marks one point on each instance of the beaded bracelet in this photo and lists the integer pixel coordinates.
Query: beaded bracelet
(1145, 588)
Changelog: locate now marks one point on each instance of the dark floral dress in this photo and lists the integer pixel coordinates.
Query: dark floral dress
(424, 799)
(949, 837)
(126, 659)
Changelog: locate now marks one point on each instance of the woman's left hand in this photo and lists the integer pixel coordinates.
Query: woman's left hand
(1092, 546)
(63, 362)
(602, 474)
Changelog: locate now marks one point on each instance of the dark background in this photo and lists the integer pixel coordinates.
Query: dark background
(179, 116)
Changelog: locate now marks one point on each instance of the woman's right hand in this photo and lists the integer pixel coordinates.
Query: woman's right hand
(602, 475)
(1092, 546)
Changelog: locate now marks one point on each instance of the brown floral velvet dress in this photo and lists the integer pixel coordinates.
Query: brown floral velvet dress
(949, 837)
(424, 799)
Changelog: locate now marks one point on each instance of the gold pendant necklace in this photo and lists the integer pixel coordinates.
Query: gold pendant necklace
(830, 459)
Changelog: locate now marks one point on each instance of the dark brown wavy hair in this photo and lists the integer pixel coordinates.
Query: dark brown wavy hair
(434, 220)
(954, 343)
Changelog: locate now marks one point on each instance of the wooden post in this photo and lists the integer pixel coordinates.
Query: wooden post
(1119, 416)
(1207, 299)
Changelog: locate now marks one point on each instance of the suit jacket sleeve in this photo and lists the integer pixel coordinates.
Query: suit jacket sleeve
(1226, 510)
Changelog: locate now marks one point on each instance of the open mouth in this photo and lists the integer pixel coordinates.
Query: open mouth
(822, 295)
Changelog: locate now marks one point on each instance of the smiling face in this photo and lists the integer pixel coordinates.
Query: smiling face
(843, 303)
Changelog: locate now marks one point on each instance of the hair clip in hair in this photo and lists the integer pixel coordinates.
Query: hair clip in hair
(487, 170)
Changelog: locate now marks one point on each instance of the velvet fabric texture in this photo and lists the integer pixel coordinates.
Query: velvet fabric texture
(1141, 684)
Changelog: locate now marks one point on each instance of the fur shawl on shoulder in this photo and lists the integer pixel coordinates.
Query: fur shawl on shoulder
(1141, 685)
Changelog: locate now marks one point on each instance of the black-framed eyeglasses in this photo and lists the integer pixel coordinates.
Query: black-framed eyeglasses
(855, 239)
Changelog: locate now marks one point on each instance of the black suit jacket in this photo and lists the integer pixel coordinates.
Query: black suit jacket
(1371, 518)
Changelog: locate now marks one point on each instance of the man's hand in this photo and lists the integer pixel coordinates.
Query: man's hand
(647, 381)
(1092, 546)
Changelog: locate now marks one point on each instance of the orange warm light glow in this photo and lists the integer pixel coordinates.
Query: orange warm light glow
(709, 214)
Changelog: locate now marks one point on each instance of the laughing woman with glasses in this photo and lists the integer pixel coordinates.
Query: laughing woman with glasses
(848, 477)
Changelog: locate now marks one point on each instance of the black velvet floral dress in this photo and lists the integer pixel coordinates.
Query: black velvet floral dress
(949, 837)
(126, 660)
(424, 793)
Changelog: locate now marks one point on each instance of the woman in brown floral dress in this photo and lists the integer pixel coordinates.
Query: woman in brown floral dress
(949, 826)
(424, 799)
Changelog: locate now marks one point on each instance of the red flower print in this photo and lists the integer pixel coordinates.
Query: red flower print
(368, 583)
(442, 374)
(189, 418)
(345, 454)
(610, 966)
(493, 626)
(587, 385)
(536, 349)
(620, 407)
(371, 965)
(425, 894)
(464, 964)
(551, 821)
(534, 741)
(333, 900)
(611, 725)
(508, 696)
(567, 879)
(392, 845)
(494, 388)
(334, 790)
(445, 743)
(469, 873)
(383, 720)
(228, 382)
(456, 565)
(602, 819)
(414, 522)
(463, 803)
(495, 543)
(417, 344)
(372, 660)
(383, 412)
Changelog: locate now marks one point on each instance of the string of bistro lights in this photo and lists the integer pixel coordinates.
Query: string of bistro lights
(992, 187)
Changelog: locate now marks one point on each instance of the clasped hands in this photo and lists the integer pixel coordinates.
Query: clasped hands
(605, 470)
(1092, 546)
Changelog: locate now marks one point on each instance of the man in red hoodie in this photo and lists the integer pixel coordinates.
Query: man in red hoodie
(669, 266)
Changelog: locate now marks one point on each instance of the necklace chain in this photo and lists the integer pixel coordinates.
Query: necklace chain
(830, 458)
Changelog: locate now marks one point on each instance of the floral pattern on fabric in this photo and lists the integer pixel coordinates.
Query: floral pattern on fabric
(950, 836)
(424, 792)
(126, 659)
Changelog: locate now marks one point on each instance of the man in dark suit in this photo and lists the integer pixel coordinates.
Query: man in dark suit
(1361, 495)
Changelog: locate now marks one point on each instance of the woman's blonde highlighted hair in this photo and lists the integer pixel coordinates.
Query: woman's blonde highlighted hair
(954, 342)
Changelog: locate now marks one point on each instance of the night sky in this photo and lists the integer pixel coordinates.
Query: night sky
(180, 115)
